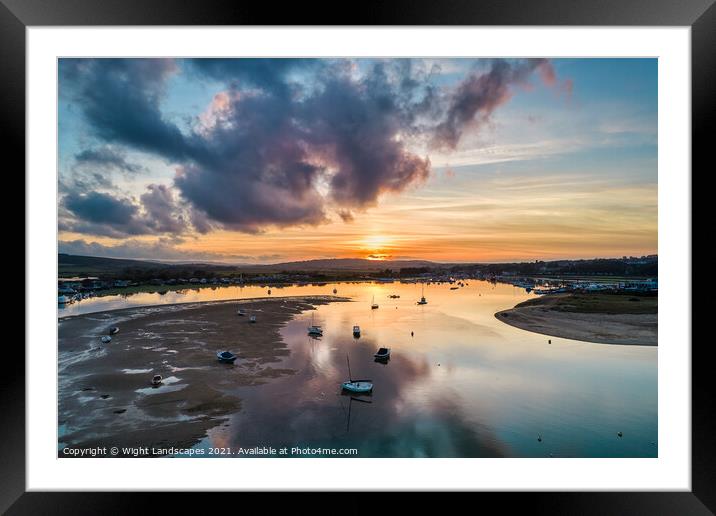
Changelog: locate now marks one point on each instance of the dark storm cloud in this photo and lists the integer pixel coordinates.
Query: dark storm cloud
(105, 214)
(285, 140)
(160, 210)
(120, 98)
(267, 74)
(106, 158)
(101, 208)
(356, 128)
(479, 94)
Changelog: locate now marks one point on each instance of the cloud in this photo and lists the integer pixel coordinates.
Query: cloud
(286, 142)
(346, 215)
(100, 213)
(161, 211)
(163, 249)
(475, 99)
(120, 98)
(106, 158)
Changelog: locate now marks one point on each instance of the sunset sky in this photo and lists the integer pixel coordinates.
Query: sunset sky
(271, 160)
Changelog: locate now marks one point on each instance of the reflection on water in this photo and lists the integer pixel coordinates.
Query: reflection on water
(464, 385)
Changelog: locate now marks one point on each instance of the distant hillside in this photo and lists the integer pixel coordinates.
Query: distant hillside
(73, 265)
(344, 264)
(71, 260)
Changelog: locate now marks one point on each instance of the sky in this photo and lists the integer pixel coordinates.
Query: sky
(275, 160)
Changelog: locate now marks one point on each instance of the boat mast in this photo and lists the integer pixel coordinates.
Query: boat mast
(350, 376)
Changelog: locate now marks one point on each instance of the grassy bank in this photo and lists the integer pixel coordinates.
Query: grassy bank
(596, 303)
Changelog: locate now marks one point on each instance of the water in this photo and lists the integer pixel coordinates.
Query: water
(465, 385)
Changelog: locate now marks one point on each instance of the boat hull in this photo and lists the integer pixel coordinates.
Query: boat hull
(226, 359)
(357, 387)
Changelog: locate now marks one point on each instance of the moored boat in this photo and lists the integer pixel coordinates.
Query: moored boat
(314, 329)
(241, 312)
(356, 331)
(423, 301)
(357, 386)
(156, 380)
(226, 357)
(106, 339)
(113, 330)
(382, 354)
(252, 319)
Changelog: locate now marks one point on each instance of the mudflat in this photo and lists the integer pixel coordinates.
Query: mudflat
(105, 392)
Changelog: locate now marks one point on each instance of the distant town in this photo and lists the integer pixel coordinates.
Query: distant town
(82, 276)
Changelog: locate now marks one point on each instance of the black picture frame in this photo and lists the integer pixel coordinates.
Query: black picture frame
(17, 15)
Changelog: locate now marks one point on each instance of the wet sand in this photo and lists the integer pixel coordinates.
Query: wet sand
(105, 395)
(540, 316)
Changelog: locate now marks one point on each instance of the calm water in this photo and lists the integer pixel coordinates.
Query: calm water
(465, 385)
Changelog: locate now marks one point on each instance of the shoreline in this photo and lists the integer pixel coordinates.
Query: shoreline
(318, 297)
(547, 316)
(105, 398)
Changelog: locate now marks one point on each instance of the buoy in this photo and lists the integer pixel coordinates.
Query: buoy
(619, 434)
(539, 438)
(549, 341)
(411, 334)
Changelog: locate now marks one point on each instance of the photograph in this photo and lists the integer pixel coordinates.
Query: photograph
(357, 257)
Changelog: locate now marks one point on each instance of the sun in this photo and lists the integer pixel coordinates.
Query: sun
(375, 242)
(376, 247)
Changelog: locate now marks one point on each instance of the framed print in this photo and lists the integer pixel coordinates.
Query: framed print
(418, 250)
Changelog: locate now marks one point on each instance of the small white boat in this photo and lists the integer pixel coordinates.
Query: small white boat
(373, 305)
(63, 300)
(156, 380)
(356, 331)
(252, 319)
(357, 386)
(241, 312)
(113, 330)
(106, 339)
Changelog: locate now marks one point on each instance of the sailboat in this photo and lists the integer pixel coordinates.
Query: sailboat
(313, 329)
(373, 305)
(423, 301)
(357, 386)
